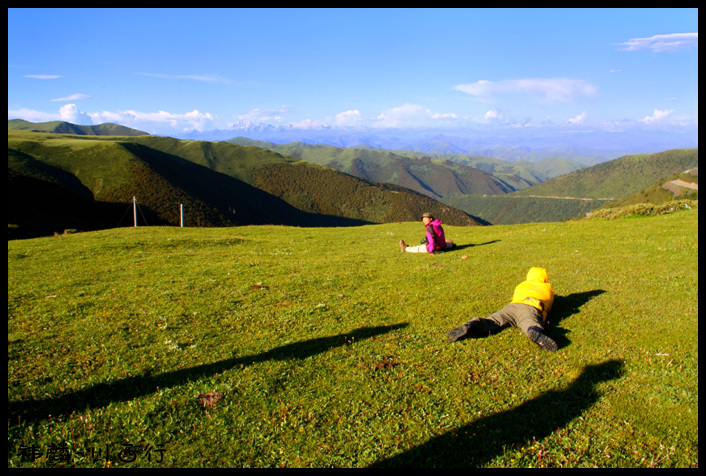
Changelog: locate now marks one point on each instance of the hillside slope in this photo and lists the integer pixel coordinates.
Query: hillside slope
(511, 209)
(100, 178)
(214, 181)
(328, 192)
(617, 178)
(684, 185)
(584, 190)
(514, 172)
(430, 176)
(308, 186)
(62, 127)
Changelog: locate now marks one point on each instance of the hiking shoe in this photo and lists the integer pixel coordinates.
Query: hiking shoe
(403, 245)
(461, 331)
(545, 342)
(457, 333)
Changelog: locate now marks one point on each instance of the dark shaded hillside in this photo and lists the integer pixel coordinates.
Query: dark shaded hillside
(39, 208)
(24, 164)
(306, 186)
(432, 177)
(162, 182)
(91, 187)
(214, 199)
(325, 191)
(163, 173)
(230, 159)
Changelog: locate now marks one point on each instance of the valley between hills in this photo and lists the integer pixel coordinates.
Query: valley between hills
(64, 176)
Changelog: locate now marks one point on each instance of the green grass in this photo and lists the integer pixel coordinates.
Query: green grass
(329, 347)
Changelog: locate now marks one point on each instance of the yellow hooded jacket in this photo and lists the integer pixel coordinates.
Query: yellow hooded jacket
(535, 291)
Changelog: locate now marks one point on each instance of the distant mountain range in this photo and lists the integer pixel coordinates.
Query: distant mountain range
(586, 145)
(435, 177)
(86, 178)
(60, 181)
(491, 189)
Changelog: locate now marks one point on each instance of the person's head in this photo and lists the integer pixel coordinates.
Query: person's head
(427, 218)
(538, 274)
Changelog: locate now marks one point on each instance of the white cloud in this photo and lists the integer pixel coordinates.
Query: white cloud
(479, 88)
(494, 116)
(258, 115)
(657, 116)
(437, 115)
(550, 89)
(157, 122)
(208, 78)
(43, 76)
(411, 115)
(71, 113)
(68, 113)
(276, 117)
(578, 119)
(32, 115)
(663, 43)
(73, 97)
(351, 117)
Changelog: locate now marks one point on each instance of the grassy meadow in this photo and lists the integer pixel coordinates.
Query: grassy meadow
(328, 347)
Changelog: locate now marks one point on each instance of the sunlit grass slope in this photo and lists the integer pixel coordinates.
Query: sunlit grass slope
(328, 347)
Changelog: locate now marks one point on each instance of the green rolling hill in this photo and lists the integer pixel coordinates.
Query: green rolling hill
(577, 193)
(436, 177)
(62, 127)
(219, 184)
(617, 178)
(251, 182)
(681, 186)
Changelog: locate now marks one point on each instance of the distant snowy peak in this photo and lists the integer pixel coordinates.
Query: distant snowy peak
(588, 146)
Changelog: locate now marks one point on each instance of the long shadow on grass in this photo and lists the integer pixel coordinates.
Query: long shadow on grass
(563, 308)
(133, 387)
(484, 439)
(471, 245)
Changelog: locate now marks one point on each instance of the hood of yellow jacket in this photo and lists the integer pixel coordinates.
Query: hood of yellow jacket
(538, 275)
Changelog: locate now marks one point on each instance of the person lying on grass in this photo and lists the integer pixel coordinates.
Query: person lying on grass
(434, 241)
(531, 302)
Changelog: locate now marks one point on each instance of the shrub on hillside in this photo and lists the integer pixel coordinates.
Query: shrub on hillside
(644, 209)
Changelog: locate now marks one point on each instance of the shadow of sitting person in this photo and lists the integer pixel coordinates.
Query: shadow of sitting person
(471, 245)
(478, 442)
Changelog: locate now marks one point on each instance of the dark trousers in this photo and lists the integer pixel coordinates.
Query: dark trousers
(522, 316)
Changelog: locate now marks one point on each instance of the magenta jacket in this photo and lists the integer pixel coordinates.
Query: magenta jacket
(435, 236)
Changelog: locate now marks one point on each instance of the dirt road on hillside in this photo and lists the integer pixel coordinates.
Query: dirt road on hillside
(563, 198)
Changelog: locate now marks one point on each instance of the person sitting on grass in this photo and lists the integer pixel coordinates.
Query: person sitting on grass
(531, 302)
(435, 239)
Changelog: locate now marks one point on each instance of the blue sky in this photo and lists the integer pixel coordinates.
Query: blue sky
(171, 71)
